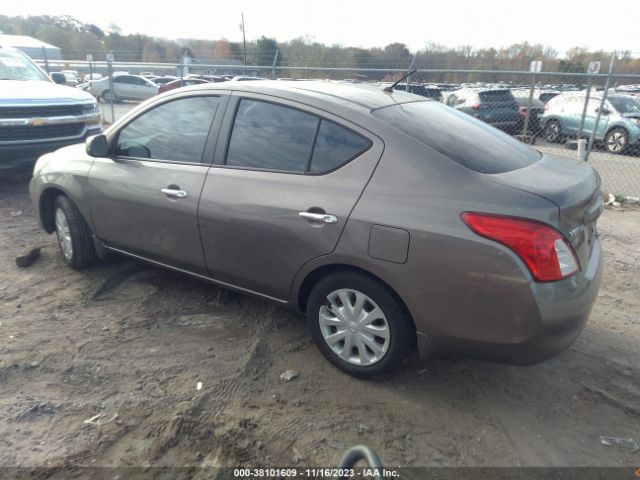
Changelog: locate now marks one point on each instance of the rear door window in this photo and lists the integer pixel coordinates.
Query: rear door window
(335, 146)
(493, 96)
(458, 136)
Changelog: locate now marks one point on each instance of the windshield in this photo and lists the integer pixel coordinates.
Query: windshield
(459, 136)
(15, 66)
(625, 104)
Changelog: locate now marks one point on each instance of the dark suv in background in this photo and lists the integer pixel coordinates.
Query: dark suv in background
(497, 107)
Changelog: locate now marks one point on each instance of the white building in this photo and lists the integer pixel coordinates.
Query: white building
(34, 48)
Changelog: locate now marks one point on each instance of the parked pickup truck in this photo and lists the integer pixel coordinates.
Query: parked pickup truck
(37, 115)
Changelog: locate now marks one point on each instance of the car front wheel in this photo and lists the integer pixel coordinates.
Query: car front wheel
(359, 325)
(74, 236)
(553, 131)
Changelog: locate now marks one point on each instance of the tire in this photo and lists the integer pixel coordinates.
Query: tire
(108, 96)
(327, 317)
(616, 141)
(74, 236)
(553, 131)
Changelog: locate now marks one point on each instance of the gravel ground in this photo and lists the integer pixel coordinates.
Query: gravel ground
(102, 367)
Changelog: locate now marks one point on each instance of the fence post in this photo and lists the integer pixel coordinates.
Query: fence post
(413, 62)
(525, 132)
(273, 66)
(244, 44)
(604, 99)
(113, 92)
(584, 109)
(46, 59)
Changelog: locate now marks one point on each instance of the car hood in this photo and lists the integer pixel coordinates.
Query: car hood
(21, 92)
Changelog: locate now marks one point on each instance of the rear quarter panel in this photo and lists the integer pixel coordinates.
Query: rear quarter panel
(454, 283)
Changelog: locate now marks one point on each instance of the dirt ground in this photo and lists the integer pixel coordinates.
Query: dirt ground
(101, 367)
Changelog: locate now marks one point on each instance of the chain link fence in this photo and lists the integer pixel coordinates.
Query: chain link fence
(587, 117)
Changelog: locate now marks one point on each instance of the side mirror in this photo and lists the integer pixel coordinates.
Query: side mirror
(605, 111)
(97, 146)
(58, 78)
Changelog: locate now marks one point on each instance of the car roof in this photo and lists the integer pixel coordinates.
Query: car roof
(487, 89)
(365, 96)
(593, 96)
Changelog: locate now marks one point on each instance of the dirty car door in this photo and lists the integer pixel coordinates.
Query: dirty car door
(283, 185)
(144, 199)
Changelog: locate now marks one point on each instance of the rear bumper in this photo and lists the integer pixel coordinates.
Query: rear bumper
(20, 157)
(563, 311)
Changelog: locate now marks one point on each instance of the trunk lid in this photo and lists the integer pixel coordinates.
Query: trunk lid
(574, 187)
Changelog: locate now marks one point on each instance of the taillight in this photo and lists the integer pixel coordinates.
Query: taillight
(479, 106)
(545, 252)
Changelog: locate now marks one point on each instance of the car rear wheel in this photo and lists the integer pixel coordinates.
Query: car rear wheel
(108, 96)
(616, 141)
(553, 131)
(74, 236)
(359, 325)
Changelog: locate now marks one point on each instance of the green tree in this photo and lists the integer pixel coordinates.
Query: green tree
(265, 49)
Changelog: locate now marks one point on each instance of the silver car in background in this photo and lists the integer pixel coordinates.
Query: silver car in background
(125, 87)
(618, 128)
(397, 224)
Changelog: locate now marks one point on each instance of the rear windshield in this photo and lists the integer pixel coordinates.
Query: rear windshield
(496, 96)
(545, 97)
(625, 105)
(460, 137)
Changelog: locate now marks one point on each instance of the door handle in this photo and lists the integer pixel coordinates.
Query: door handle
(174, 193)
(319, 217)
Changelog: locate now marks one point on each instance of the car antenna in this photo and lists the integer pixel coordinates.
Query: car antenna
(390, 87)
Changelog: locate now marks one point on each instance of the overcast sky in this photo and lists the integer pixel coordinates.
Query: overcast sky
(561, 24)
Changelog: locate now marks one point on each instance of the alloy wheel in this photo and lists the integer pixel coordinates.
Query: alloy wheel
(552, 132)
(616, 142)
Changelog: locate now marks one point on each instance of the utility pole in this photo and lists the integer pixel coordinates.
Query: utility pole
(244, 43)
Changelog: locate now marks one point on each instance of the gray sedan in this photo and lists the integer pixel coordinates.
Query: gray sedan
(398, 225)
